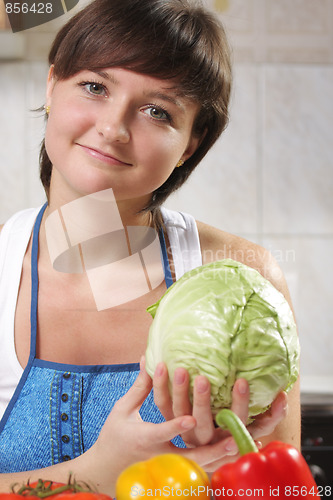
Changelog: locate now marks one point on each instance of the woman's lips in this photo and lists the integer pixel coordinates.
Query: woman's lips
(102, 156)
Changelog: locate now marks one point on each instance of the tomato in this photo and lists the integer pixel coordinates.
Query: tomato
(10, 496)
(41, 489)
(46, 485)
(82, 495)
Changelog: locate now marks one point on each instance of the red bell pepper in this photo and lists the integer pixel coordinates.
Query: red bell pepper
(278, 470)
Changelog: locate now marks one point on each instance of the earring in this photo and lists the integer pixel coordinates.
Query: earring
(47, 109)
(180, 163)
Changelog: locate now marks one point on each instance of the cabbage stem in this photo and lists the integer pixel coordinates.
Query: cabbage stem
(227, 419)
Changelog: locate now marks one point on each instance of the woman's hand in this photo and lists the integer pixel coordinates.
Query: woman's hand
(125, 438)
(179, 404)
(205, 432)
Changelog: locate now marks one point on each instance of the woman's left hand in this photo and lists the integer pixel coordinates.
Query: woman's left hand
(205, 432)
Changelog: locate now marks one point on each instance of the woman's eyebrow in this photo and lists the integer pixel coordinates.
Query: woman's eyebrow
(165, 97)
(107, 76)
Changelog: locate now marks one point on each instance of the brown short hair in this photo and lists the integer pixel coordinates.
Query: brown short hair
(162, 38)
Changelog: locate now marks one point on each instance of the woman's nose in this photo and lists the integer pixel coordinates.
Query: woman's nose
(113, 126)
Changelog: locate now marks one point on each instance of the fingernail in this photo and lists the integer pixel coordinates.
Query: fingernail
(242, 386)
(201, 385)
(159, 370)
(179, 377)
(187, 423)
(231, 447)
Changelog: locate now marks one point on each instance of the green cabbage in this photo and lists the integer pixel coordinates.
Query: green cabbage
(225, 321)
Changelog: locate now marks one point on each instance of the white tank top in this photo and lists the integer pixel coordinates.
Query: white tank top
(14, 238)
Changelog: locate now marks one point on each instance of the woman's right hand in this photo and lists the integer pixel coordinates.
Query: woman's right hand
(125, 438)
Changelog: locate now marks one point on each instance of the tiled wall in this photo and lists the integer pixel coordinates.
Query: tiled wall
(270, 176)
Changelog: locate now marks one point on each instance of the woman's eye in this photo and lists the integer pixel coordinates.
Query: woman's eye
(157, 113)
(95, 88)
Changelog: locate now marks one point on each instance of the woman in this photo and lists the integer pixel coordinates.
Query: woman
(137, 93)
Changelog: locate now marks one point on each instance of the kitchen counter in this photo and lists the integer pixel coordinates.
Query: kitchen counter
(317, 429)
(317, 384)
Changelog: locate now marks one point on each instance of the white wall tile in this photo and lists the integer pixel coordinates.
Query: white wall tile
(12, 45)
(38, 46)
(13, 116)
(307, 264)
(21, 133)
(303, 16)
(297, 142)
(36, 87)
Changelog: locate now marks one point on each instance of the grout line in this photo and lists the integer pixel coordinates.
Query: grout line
(27, 135)
(261, 93)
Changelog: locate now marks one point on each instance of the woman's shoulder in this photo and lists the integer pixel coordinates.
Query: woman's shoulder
(21, 218)
(17, 229)
(217, 245)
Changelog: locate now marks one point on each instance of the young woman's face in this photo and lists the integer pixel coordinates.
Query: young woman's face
(116, 129)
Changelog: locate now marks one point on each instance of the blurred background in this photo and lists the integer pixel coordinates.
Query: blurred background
(270, 176)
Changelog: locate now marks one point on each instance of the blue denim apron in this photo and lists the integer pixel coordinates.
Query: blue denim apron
(58, 410)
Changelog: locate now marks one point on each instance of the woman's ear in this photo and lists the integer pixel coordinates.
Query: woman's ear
(193, 145)
(51, 80)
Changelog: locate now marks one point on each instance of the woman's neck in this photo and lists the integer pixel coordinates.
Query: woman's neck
(131, 212)
(94, 228)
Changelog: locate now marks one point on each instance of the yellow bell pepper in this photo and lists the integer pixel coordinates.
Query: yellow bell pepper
(167, 475)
